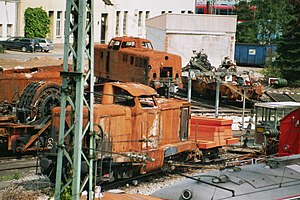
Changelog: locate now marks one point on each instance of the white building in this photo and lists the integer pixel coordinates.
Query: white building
(183, 33)
(125, 17)
(8, 19)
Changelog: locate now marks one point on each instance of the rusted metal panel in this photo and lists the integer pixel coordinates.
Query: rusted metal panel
(136, 63)
(15, 80)
(123, 196)
(158, 156)
(135, 89)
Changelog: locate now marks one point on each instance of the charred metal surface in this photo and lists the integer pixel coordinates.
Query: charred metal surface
(15, 80)
(130, 59)
(37, 100)
(24, 125)
(232, 85)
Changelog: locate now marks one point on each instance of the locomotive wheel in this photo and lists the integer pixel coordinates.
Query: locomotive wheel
(37, 101)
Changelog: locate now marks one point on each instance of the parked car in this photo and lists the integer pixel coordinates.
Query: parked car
(45, 44)
(21, 43)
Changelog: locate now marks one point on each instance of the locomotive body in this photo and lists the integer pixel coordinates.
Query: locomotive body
(279, 178)
(130, 59)
(138, 132)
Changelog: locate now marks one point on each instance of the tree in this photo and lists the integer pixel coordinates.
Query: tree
(37, 22)
(271, 17)
(246, 26)
(262, 21)
(288, 63)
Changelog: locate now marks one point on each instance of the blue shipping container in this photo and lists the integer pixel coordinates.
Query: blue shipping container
(253, 54)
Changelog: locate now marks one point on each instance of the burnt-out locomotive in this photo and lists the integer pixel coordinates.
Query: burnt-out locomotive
(137, 132)
(233, 86)
(131, 59)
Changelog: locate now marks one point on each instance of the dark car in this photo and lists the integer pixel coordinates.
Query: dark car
(21, 43)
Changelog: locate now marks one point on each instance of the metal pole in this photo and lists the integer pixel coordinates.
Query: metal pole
(217, 98)
(243, 114)
(244, 105)
(189, 95)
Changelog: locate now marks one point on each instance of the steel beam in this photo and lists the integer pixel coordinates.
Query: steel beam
(78, 28)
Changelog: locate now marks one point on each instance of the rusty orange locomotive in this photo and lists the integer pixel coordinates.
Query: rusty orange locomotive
(139, 132)
(131, 59)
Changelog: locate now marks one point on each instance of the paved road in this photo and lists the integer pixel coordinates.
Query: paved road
(18, 55)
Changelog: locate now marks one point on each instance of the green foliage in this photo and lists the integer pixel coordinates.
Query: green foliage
(246, 27)
(246, 32)
(271, 17)
(265, 24)
(287, 65)
(37, 22)
(1, 49)
(67, 194)
(10, 177)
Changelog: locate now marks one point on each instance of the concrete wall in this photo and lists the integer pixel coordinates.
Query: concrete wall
(137, 10)
(8, 19)
(185, 33)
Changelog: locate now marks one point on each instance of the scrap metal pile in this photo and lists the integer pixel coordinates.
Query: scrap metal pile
(204, 77)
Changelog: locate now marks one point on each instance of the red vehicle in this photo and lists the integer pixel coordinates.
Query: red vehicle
(218, 9)
(277, 126)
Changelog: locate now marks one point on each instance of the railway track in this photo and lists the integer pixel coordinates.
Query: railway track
(283, 96)
(11, 163)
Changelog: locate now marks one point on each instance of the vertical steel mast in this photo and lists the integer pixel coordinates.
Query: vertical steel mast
(79, 51)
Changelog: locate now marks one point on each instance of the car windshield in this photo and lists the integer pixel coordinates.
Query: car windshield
(48, 40)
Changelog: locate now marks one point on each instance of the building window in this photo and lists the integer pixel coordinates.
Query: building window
(9, 30)
(163, 12)
(1, 30)
(183, 11)
(125, 22)
(117, 22)
(147, 14)
(170, 11)
(58, 23)
(190, 12)
(140, 19)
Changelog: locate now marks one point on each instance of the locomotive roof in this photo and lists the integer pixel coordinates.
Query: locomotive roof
(135, 89)
(277, 179)
(126, 38)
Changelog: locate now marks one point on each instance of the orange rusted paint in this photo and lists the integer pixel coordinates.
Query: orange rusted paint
(15, 80)
(136, 124)
(123, 196)
(130, 59)
(141, 129)
(211, 132)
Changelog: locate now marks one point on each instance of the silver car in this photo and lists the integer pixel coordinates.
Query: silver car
(45, 44)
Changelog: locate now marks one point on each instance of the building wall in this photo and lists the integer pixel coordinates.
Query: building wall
(8, 19)
(132, 25)
(215, 34)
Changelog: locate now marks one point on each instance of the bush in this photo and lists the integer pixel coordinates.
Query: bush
(37, 22)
